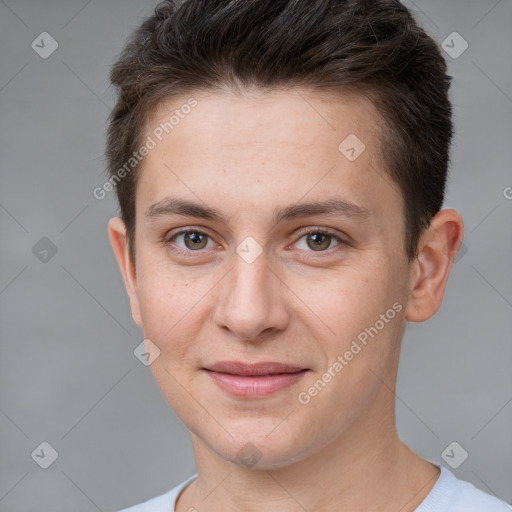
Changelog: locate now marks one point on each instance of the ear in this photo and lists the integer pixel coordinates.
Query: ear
(437, 249)
(119, 241)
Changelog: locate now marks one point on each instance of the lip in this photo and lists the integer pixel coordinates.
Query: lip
(253, 380)
(253, 369)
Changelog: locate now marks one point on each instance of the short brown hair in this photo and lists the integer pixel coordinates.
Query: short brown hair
(374, 47)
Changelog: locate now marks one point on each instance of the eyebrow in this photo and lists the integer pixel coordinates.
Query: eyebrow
(333, 206)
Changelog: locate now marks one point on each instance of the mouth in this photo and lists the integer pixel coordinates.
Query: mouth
(245, 380)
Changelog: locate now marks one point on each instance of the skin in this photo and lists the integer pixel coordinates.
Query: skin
(246, 154)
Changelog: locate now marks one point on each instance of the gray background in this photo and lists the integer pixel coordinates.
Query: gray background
(68, 375)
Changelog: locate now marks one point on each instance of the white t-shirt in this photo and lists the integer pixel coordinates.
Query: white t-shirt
(449, 494)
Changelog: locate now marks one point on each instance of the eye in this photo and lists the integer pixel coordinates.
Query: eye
(319, 240)
(192, 240)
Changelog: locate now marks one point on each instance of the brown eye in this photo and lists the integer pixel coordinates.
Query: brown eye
(318, 241)
(193, 240)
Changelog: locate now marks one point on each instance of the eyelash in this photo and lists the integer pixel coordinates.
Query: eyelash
(168, 241)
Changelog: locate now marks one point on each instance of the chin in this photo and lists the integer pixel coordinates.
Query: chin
(259, 446)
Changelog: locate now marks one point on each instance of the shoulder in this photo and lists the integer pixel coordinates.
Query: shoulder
(162, 503)
(450, 494)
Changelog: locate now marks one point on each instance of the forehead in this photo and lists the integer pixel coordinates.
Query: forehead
(263, 145)
(297, 116)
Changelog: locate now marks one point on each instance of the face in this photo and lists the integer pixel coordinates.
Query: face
(249, 275)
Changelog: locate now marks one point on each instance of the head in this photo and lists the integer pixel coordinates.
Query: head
(304, 146)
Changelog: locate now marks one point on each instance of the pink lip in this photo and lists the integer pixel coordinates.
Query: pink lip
(254, 380)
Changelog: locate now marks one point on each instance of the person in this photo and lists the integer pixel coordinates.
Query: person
(280, 167)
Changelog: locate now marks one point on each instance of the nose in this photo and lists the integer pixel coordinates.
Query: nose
(252, 300)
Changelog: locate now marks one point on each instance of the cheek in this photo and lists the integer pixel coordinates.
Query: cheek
(169, 305)
(364, 317)
(349, 301)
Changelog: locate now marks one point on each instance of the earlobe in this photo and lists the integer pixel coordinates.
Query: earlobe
(438, 248)
(119, 241)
